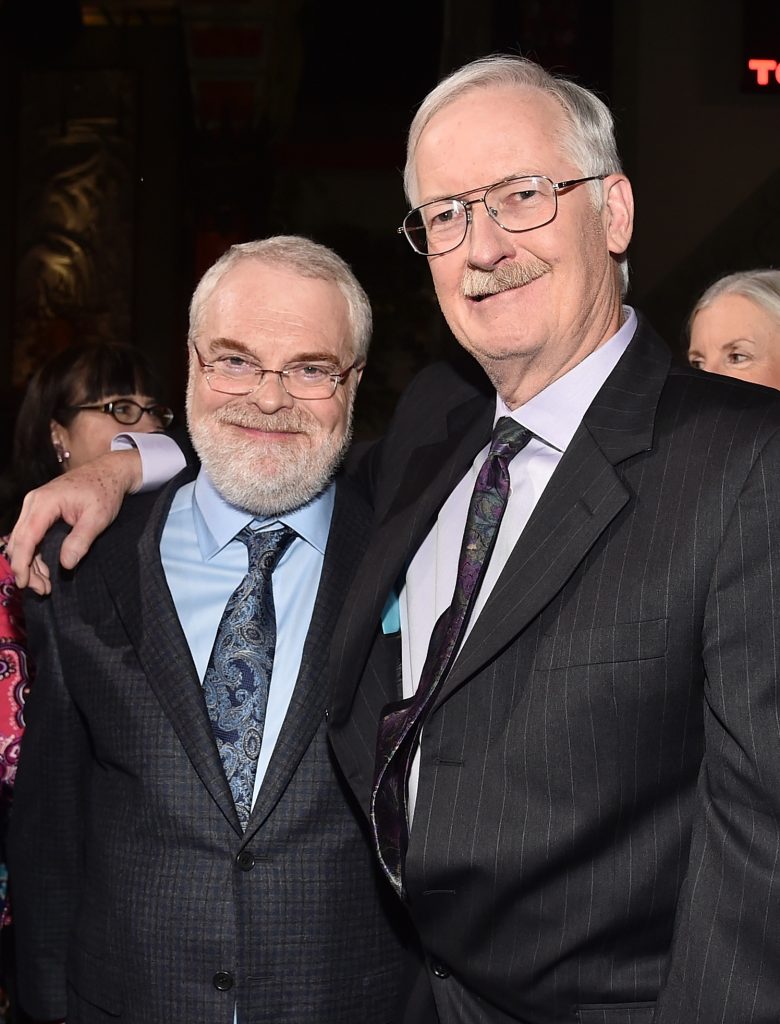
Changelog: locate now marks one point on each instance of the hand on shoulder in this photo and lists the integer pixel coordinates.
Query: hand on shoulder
(88, 499)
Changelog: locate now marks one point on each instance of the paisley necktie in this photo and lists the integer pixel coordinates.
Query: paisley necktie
(402, 721)
(239, 672)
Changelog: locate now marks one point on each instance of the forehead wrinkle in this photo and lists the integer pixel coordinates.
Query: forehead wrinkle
(249, 324)
(541, 119)
(271, 319)
(280, 328)
(233, 303)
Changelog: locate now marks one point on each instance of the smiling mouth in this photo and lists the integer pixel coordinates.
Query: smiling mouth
(288, 423)
(261, 428)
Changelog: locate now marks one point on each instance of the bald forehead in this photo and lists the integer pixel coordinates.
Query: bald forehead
(486, 134)
(261, 304)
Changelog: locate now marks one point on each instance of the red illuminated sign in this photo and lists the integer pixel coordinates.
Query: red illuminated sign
(765, 70)
(759, 61)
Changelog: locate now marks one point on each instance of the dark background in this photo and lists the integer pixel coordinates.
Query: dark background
(139, 139)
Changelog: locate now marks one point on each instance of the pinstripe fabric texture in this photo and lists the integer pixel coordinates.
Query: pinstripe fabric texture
(134, 881)
(597, 829)
(402, 721)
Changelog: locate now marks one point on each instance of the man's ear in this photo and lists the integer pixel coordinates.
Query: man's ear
(618, 212)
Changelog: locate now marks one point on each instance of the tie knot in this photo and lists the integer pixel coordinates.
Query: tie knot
(265, 547)
(509, 437)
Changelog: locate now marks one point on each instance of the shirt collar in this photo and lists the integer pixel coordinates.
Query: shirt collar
(217, 522)
(555, 413)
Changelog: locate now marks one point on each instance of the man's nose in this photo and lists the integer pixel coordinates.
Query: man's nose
(270, 395)
(488, 243)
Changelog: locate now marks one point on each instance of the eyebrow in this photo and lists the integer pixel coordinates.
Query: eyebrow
(695, 353)
(481, 188)
(232, 343)
(736, 341)
(303, 357)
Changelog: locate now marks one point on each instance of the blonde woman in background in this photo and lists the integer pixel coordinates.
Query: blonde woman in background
(734, 328)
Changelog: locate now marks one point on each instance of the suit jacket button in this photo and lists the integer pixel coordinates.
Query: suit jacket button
(245, 860)
(439, 970)
(223, 981)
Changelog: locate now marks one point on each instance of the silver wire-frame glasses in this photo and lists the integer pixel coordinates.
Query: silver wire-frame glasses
(515, 204)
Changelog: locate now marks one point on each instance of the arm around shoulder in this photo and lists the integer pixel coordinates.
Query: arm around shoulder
(87, 499)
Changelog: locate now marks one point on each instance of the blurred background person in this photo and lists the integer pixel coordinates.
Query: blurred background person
(74, 405)
(734, 327)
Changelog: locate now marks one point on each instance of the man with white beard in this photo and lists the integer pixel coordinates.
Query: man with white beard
(183, 847)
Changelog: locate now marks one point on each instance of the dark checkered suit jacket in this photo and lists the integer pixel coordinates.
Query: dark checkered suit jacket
(133, 884)
(596, 837)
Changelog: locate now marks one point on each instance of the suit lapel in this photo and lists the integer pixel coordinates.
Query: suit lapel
(563, 528)
(582, 498)
(411, 495)
(434, 468)
(149, 616)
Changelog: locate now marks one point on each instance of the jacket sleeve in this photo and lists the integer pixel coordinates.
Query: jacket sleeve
(45, 834)
(726, 949)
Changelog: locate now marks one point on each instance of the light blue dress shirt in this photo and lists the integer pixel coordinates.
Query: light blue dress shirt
(204, 563)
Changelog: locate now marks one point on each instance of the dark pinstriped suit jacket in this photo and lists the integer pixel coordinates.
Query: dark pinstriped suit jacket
(132, 878)
(597, 829)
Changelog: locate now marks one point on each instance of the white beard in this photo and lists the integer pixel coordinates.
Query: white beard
(261, 481)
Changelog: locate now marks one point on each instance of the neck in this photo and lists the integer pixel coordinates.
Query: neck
(519, 377)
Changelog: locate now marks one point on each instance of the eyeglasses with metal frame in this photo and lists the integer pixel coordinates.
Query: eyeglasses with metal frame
(234, 374)
(515, 204)
(128, 412)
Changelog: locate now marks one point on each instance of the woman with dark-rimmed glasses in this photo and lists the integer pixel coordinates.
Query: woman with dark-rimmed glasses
(74, 405)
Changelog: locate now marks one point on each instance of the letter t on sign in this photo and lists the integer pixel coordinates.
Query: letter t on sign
(762, 69)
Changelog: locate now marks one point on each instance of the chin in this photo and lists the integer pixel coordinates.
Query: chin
(501, 348)
(270, 496)
(269, 483)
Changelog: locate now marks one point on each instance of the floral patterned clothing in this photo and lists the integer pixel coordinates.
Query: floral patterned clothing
(14, 687)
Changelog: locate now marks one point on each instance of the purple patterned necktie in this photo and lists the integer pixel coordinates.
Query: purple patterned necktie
(402, 721)
(236, 683)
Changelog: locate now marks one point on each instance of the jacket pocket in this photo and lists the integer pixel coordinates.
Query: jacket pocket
(94, 981)
(616, 1013)
(624, 641)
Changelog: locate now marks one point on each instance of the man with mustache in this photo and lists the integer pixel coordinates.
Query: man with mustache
(576, 788)
(183, 848)
(573, 781)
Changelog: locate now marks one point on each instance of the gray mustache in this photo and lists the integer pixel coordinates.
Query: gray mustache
(503, 278)
(281, 423)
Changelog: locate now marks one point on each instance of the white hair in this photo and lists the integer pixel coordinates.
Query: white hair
(588, 137)
(303, 256)
(761, 286)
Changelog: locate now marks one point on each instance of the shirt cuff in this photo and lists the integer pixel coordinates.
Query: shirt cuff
(161, 457)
